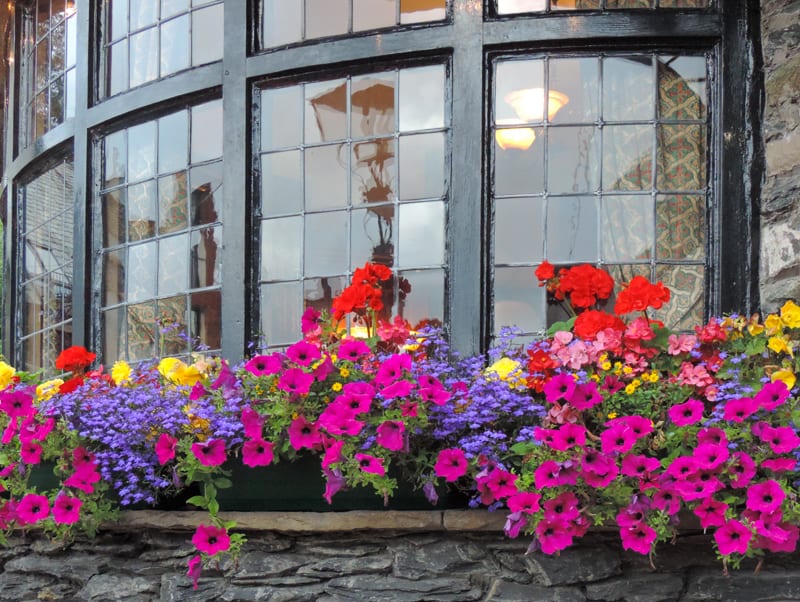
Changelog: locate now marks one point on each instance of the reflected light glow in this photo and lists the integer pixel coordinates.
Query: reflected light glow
(519, 138)
(529, 103)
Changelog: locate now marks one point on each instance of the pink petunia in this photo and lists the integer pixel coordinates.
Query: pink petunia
(355, 404)
(553, 535)
(546, 474)
(337, 419)
(501, 483)
(772, 395)
(765, 497)
(713, 435)
(618, 438)
(409, 409)
(392, 368)
(638, 538)
(585, 396)
(211, 539)
(400, 388)
(740, 409)
(83, 478)
(265, 365)
(525, 502)
(732, 537)
(17, 404)
(560, 386)
(779, 464)
(323, 369)
(252, 421)
(695, 488)
(304, 434)
(210, 453)
(781, 439)
(639, 425)
(689, 412)
(371, 464)
(708, 455)
(303, 353)
(30, 452)
(257, 452)
(742, 470)
(32, 508)
(682, 467)
(165, 448)
(711, 513)
(67, 509)
(666, 499)
(514, 524)
(435, 395)
(334, 483)
(634, 465)
(390, 435)
(352, 350)
(451, 464)
(195, 569)
(296, 381)
(564, 506)
(602, 473)
(333, 453)
(82, 457)
(567, 436)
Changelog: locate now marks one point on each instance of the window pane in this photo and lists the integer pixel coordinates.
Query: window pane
(206, 41)
(574, 85)
(143, 13)
(681, 157)
(421, 166)
(282, 22)
(685, 309)
(281, 117)
(326, 17)
(142, 214)
(280, 312)
(141, 271)
(421, 240)
(206, 319)
(682, 91)
(206, 257)
(421, 98)
(141, 331)
(173, 264)
(143, 57)
(325, 244)
(627, 157)
(574, 160)
(141, 151)
(114, 218)
(372, 105)
(517, 302)
(173, 142)
(281, 183)
(174, 45)
(372, 237)
(173, 7)
(206, 195)
(325, 111)
(119, 18)
(114, 277)
(519, 228)
(207, 131)
(118, 68)
(281, 245)
(173, 331)
(518, 161)
(425, 301)
(572, 229)
(680, 226)
(326, 177)
(628, 89)
(422, 11)
(172, 203)
(372, 14)
(373, 171)
(627, 228)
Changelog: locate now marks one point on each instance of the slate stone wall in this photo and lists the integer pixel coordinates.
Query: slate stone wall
(380, 566)
(780, 206)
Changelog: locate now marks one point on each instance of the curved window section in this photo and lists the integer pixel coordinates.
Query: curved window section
(48, 49)
(158, 203)
(44, 267)
(145, 40)
(290, 21)
(507, 7)
(600, 159)
(352, 170)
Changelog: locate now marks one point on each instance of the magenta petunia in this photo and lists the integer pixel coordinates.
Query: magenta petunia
(390, 435)
(525, 502)
(32, 508)
(264, 365)
(253, 422)
(210, 539)
(257, 452)
(333, 453)
(585, 396)
(334, 483)
(560, 386)
(687, 413)
(309, 320)
(514, 524)
(210, 453)
(781, 439)
(732, 537)
(30, 452)
(682, 467)
(165, 448)
(708, 455)
(83, 478)
(451, 464)
(435, 395)
(740, 409)
(564, 506)
(553, 535)
(638, 538)
(742, 469)
(67, 509)
(17, 404)
(399, 388)
(713, 435)
(639, 425)
(696, 488)
(711, 513)
(304, 434)
(371, 464)
(501, 483)
(352, 350)
(195, 569)
(618, 438)
(296, 381)
(602, 472)
(634, 465)
(772, 395)
(666, 499)
(392, 369)
(303, 353)
(567, 436)
(323, 369)
(765, 497)
(338, 419)
(82, 457)
(546, 474)
(779, 464)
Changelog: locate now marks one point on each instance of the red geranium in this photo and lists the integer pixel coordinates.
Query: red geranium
(544, 272)
(75, 359)
(585, 285)
(641, 294)
(590, 322)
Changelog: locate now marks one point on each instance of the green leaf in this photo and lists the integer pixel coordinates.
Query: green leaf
(559, 326)
(223, 483)
(213, 507)
(197, 500)
(756, 346)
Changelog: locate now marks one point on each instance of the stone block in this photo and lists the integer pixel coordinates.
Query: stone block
(742, 586)
(370, 588)
(338, 567)
(572, 566)
(653, 587)
(504, 591)
(442, 558)
(108, 587)
(254, 566)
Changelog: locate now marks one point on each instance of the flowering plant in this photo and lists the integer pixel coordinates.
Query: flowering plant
(610, 419)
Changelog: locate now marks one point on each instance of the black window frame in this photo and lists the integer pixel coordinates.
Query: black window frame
(469, 36)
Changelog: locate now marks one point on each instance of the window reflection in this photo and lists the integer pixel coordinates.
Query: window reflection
(624, 194)
(150, 39)
(336, 193)
(44, 256)
(162, 182)
(506, 7)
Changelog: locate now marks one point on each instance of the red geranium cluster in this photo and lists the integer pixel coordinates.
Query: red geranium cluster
(75, 359)
(364, 292)
(584, 284)
(641, 294)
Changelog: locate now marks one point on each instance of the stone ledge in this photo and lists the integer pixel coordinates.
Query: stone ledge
(294, 522)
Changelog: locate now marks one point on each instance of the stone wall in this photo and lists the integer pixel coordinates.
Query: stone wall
(780, 206)
(380, 565)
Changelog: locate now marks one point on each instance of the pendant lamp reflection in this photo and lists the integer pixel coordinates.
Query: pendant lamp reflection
(529, 104)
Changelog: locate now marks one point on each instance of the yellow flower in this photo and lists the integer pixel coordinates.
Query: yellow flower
(503, 368)
(786, 376)
(654, 377)
(595, 378)
(177, 372)
(47, 389)
(790, 314)
(780, 345)
(121, 372)
(636, 383)
(627, 370)
(606, 365)
(612, 415)
(6, 374)
(344, 372)
(336, 387)
(773, 324)
(630, 389)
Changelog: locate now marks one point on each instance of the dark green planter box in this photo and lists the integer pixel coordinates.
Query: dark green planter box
(299, 485)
